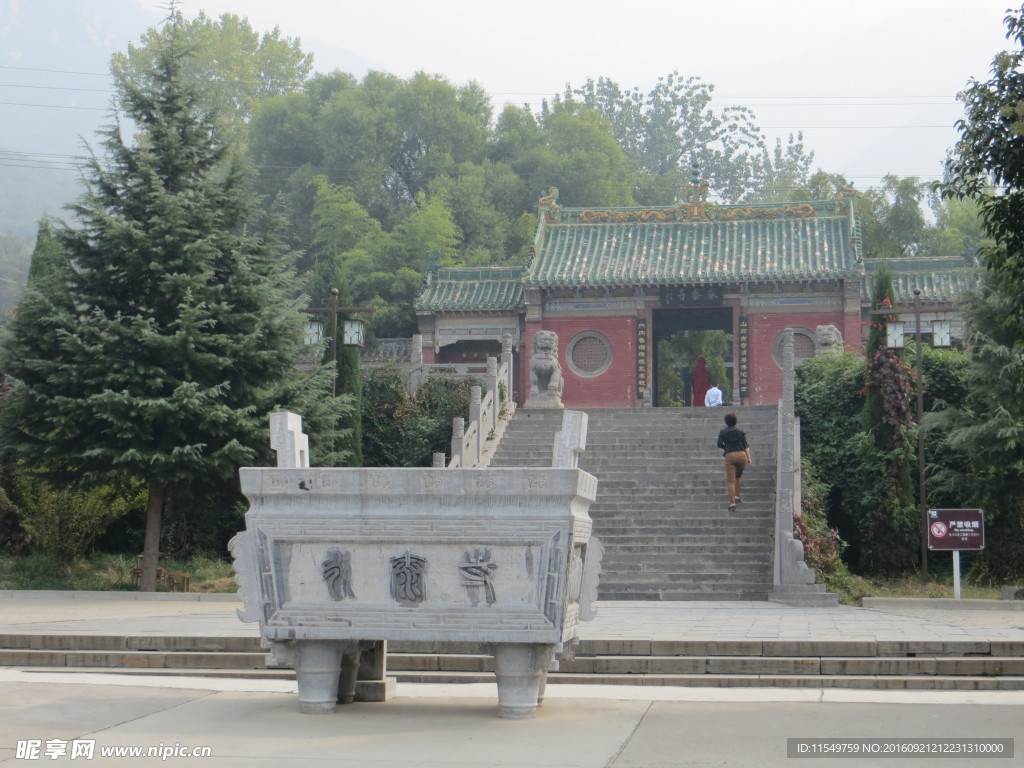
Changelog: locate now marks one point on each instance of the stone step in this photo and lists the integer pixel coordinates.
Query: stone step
(588, 666)
(164, 659)
(661, 510)
(876, 682)
(706, 680)
(1009, 666)
(771, 648)
(664, 565)
(675, 543)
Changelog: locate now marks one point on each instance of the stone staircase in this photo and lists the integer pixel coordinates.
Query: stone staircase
(897, 664)
(661, 510)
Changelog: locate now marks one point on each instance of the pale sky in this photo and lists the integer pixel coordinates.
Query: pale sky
(872, 83)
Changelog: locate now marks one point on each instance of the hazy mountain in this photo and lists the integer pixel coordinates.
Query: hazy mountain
(54, 94)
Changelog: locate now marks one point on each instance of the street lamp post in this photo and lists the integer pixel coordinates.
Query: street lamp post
(353, 331)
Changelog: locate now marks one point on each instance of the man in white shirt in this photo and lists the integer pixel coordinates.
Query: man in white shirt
(713, 397)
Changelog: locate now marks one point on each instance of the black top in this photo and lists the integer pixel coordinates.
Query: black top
(732, 439)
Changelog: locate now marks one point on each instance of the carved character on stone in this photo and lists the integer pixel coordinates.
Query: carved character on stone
(476, 573)
(545, 371)
(828, 340)
(408, 579)
(337, 570)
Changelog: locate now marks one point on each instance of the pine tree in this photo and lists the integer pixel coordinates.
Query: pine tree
(157, 349)
(46, 257)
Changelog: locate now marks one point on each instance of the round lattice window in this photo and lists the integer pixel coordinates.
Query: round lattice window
(590, 354)
(803, 346)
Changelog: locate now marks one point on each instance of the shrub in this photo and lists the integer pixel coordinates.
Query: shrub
(823, 548)
(64, 522)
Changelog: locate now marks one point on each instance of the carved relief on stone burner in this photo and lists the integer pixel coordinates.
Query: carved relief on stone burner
(337, 571)
(408, 579)
(476, 573)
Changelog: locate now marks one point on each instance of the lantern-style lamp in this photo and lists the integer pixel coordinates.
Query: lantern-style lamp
(353, 333)
(894, 330)
(314, 330)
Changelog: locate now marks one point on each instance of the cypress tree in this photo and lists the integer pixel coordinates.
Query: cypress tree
(887, 499)
(156, 350)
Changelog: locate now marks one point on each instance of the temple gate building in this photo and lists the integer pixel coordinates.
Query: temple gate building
(613, 282)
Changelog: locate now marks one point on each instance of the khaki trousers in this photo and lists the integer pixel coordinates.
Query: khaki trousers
(735, 463)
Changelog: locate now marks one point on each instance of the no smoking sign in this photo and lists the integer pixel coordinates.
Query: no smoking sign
(956, 529)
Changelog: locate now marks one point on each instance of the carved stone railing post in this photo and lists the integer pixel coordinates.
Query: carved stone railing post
(790, 570)
(416, 357)
(475, 416)
(458, 433)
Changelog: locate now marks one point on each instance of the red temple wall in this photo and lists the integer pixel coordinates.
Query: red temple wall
(616, 387)
(765, 374)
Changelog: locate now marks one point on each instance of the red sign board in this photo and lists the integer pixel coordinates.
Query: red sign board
(956, 529)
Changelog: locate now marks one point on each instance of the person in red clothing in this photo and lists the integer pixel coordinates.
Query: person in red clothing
(701, 380)
(733, 442)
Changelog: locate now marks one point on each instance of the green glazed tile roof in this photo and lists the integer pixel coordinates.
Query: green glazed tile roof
(941, 280)
(473, 289)
(627, 247)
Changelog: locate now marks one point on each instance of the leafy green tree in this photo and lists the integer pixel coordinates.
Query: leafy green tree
(235, 66)
(782, 172)
(674, 125)
(581, 152)
(984, 431)
(987, 165)
(485, 199)
(892, 218)
(958, 228)
(389, 138)
(166, 339)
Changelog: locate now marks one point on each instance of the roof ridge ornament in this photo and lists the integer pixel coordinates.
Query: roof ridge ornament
(548, 208)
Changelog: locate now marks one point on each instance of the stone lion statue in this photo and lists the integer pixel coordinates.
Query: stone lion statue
(545, 370)
(828, 340)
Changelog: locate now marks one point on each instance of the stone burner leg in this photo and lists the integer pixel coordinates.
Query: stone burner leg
(318, 670)
(521, 669)
(351, 660)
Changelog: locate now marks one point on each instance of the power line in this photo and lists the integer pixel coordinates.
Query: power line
(55, 88)
(54, 106)
(55, 71)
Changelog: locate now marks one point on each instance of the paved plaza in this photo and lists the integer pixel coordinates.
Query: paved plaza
(257, 723)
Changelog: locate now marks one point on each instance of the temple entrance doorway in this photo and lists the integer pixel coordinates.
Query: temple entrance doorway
(693, 347)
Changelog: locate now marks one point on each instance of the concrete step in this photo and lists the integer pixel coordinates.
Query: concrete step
(892, 664)
(1009, 666)
(875, 682)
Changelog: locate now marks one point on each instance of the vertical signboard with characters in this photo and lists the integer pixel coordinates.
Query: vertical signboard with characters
(641, 357)
(744, 349)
